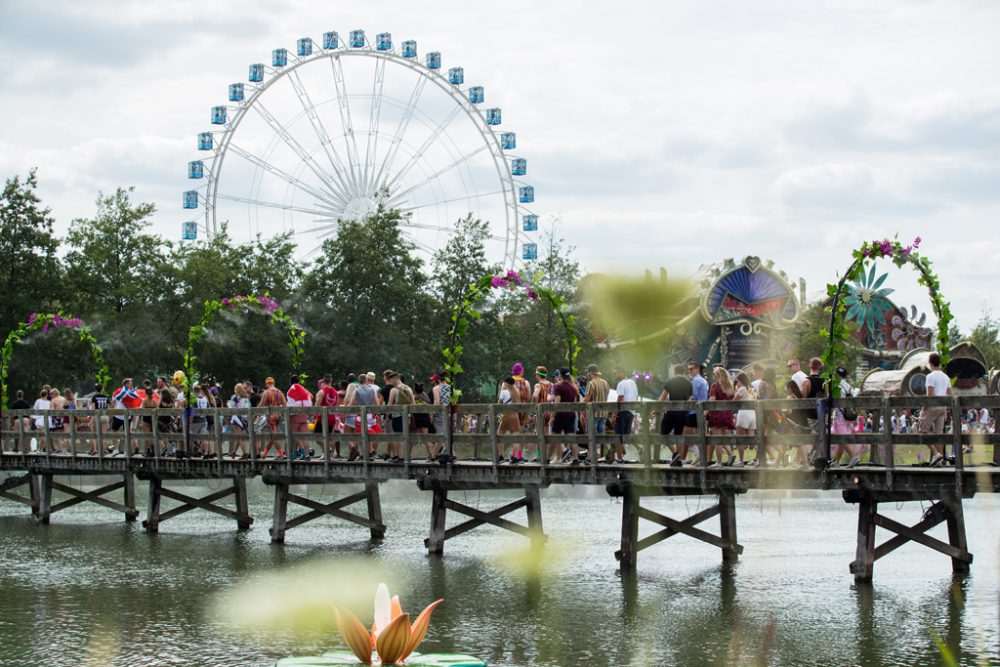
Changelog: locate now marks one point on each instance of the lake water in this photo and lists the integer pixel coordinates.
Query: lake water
(91, 590)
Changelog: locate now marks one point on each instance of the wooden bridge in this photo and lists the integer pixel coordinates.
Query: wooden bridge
(470, 462)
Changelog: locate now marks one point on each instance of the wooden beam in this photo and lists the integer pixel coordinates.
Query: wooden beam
(690, 530)
(205, 503)
(863, 566)
(661, 535)
(934, 516)
(331, 509)
(922, 538)
(439, 511)
(79, 496)
(493, 518)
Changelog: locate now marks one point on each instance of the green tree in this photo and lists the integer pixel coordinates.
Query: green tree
(986, 336)
(365, 301)
(29, 269)
(809, 337)
(115, 266)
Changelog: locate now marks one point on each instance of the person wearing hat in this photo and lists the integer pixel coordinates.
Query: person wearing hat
(542, 393)
(841, 425)
(272, 398)
(523, 389)
(597, 393)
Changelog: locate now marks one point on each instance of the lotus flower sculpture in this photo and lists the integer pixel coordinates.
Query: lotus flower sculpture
(392, 637)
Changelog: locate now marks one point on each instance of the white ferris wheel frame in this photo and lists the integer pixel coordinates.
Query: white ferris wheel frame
(236, 113)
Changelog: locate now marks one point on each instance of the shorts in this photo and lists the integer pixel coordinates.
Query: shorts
(600, 425)
(932, 419)
(421, 420)
(510, 422)
(623, 425)
(840, 426)
(692, 420)
(396, 424)
(746, 419)
(673, 423)
(564, 424)
(117, 424)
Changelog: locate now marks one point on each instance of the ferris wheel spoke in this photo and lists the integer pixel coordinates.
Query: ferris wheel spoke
(443, 228)
(318, 128)
(271, 204)
(420, 244)
(374, 118)
(423, 148)
(350, 141)
(465, 158)
(331, 198)
(296, 147)
(448, 201)
(386, 167)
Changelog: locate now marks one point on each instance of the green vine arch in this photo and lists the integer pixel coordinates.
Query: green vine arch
(45, 322)
(263, 305)
(467, 312)
(892, 249)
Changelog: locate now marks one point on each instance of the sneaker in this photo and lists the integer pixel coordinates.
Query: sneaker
(716, 464)
(730, 460)
(937, 461)
(619, 462)
(677, 463)
(855, 460)
(738, 464)
(575, 462)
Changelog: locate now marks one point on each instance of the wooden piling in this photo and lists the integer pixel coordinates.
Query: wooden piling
(435, 543)
(152, 522)
(280, 518)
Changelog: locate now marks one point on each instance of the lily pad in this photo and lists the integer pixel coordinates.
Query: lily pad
(342, 658)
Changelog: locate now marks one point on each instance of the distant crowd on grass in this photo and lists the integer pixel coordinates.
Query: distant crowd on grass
(612, 413)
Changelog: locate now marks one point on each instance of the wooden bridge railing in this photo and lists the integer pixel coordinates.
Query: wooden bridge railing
(141, 432)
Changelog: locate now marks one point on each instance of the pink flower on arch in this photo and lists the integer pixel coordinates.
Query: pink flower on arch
(532, 295)
(495, 281)
(32, 318)
(916, 242)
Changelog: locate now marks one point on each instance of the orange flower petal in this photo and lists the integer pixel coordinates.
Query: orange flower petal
(395, 610)
(354, 634)
(419, 630)
(393, 639)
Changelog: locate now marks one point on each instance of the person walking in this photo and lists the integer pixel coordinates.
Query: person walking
(841, 425)
(272, 397)
(746, 419)
(508, 423)
(628, 392)
(933, 418)
(298, 396)
(597, 393)
(720, 422)
(677, 388)
(328, 397)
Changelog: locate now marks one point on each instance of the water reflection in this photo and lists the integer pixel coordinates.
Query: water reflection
(89, 589)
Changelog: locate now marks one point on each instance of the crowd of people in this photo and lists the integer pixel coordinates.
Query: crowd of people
(688, 382)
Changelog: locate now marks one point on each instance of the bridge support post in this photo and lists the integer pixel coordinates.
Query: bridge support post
(243, 520)
(157, 491)
(131, 512)
(441, 503)
(632, 510)
(283, 498)
(152, 522)
(44, 498)
(946, 510)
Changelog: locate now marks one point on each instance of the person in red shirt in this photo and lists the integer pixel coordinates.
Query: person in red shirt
(328, 397)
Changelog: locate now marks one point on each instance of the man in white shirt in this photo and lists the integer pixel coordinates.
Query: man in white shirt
(628, 392)
(932, 419)
(795, 370)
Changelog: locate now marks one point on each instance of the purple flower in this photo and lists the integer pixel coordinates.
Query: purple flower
(32, 318)
(513, 275)
(886, 247)
(866, 251)
(916, 242)
(495, 281)
(532, 295)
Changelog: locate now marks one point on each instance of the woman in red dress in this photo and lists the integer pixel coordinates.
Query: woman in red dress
(720, 422)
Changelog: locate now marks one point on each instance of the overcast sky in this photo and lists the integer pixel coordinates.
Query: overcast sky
(661, 133)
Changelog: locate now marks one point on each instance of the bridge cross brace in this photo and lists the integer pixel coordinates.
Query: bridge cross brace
(13, 482)
(632, 511)
(441, 503)
(946, 510)
(157, 491)
(283, 497)
(41, 486)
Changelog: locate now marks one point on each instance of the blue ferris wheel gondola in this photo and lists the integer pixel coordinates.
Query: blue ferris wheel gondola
(409, 49)
(530, 251)
(205, 141)
(331, 40)
(196, 169)
(526, 194)
(434, 60)
(383, 41)
(529, 222)
(493, 116)
(189, 230)
(191, 199)
(236, 92)
(256, 73)
(357, 39)
(279, 57)
(477, 95)
(304, 47)
(508, 141)
(218, 115)
(519, 166)
(456, 76)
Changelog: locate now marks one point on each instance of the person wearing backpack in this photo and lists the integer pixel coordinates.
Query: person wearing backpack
(523, 390)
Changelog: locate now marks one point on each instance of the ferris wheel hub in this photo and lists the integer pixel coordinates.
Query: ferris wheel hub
(360, 208)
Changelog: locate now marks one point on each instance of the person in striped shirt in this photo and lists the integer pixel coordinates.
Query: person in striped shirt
(597, 392)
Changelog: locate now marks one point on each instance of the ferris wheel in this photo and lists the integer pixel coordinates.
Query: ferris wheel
(332, 132)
